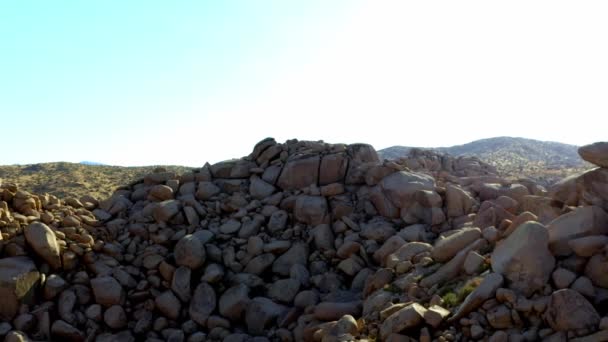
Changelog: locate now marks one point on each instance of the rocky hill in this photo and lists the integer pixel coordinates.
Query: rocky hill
(75, 179)
(310, 241)
(544, 161)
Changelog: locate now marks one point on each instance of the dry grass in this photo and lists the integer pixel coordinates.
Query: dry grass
(75, 180)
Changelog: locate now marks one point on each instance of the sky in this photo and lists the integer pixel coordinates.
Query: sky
(186, 82)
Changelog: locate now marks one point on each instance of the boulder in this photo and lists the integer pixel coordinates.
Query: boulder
(44, 242)
(107, 291)
(408, 317)
(234, 302)
(569, 310)
(203, 303)
(312, 210)
(299, 172)
(401, 187)
(596, 153)
(524, 258)
(447, 247)
(458, 201)
(19, 278)
(597, 270)
(333, 168)
(297, 254)
(189, 252)
(584, 221)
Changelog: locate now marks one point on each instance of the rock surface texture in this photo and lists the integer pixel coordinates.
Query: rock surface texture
(311, 241)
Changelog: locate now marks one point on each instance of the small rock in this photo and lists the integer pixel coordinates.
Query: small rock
(189, 252)
(435, 315)
(115, 317)
(107, 291)
(234, 302)
(168, 304)
(562, 278)
(203, 303)
(63, 331)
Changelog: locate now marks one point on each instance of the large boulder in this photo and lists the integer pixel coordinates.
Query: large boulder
(18, 280)
(333, 168)
(584, 221)
(569, 310)
(202, 304)
(401, 187)
(299, 172)
(446, 247)
(44, 242)
(189, 252)
(524, 258)
(312, 210)
(597, 270)
(406, 318)
(596, 153)
(459, 202)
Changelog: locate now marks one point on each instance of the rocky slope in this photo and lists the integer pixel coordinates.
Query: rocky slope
(544, 161)
(309, 241)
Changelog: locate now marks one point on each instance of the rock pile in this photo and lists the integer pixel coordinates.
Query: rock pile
(309, 241)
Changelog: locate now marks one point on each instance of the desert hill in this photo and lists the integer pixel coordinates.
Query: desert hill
(542, 160)
(75, 179)
(311, 241)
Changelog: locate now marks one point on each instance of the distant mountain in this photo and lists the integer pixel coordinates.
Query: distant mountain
(92, 163)
(511, 156)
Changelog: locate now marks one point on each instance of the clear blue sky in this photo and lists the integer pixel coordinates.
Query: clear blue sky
(184, 82)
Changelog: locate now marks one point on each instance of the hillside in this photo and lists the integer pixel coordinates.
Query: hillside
(75, 180)
(543, 160)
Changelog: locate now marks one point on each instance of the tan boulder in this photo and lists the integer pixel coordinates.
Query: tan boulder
(299, 172)
(44, 242)
(333, 168)
(588, 245)
(401, 187)
(312, 210)
(584, 221)
(408, 317)
(18, 280)
(597, 270)
(459, 202)
(596, 153)
(446, 247)
(569, 310)
(524, 258)
(486, 290)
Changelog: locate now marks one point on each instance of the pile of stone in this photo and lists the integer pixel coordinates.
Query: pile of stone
(306, 241)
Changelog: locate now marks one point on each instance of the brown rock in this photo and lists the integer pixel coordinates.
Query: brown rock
(596, 153)
(408, 317)
(115, 317)
(569, 310)
(234, 301)
(299, 172)
(312, 210)
(203, 303)
(524, 258)
(168, 304)
(44, 242)
(190, 252)
(447, 247)
(584, 221)
(333, 168)
(18, 280)
(107, 291)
